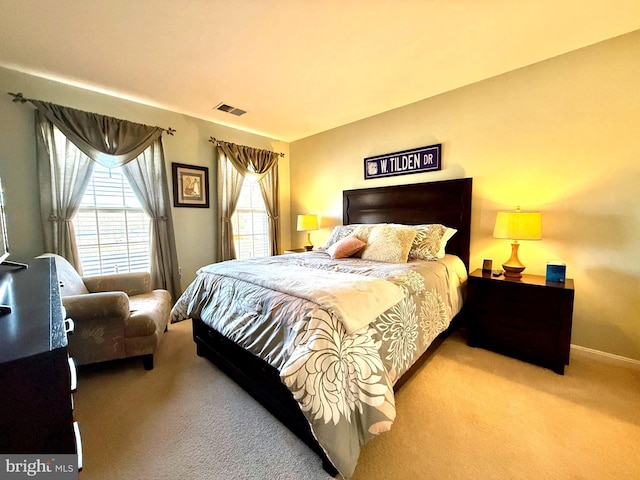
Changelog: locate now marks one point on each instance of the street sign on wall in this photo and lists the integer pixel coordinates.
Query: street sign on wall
(416, 160)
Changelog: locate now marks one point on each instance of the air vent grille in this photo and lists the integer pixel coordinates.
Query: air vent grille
(223, 107)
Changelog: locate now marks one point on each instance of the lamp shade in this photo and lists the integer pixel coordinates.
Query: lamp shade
(307, 222)
(518, 225)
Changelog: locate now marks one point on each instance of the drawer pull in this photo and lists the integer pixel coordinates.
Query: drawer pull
(69, 326)
(76, 432)
(74, 375)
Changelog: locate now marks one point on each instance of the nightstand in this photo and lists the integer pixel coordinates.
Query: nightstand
(528, 318)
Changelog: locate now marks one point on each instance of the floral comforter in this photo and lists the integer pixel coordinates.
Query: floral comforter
(342, 382)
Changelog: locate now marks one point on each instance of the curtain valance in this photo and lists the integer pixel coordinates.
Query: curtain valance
(248, 159)
(109, 141)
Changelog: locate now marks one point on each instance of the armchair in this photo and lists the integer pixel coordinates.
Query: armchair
(115, 315)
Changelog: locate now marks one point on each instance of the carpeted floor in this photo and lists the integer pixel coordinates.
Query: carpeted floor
(467, 414)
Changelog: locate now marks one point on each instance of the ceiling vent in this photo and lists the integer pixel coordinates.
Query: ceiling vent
(229, 109)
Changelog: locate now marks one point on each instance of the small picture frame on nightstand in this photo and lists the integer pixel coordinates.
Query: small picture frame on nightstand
(487, 266)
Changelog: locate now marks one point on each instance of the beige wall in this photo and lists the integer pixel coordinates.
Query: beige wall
(196, 228)
(561, 136)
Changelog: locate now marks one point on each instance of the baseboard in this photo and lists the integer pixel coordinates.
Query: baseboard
(627, 362)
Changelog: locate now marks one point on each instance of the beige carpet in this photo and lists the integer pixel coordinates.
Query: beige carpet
(467, 414)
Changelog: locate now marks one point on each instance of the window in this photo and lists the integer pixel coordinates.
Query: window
(249, 222)
(112, 229)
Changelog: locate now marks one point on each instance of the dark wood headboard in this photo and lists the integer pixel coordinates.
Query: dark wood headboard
(447, 202)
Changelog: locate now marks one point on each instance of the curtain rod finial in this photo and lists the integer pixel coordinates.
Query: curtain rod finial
(170, 131)
(17, 97)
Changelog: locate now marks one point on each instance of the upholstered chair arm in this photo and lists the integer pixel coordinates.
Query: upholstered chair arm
(134, 283)
(112, 306)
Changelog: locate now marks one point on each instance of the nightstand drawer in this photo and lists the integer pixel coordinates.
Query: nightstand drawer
(536, 305)
(514, 333)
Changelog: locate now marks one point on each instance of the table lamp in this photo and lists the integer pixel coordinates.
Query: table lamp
(517, 226)
(306, 223)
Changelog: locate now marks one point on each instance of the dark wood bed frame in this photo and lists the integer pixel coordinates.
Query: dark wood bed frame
(447, 202)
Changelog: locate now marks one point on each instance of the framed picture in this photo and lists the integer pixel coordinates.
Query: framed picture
(190, 185)
(487, 266)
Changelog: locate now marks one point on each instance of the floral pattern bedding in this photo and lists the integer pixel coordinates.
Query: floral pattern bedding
(342, 382)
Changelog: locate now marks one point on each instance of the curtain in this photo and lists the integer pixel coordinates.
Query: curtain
(148, 179)
(111, 142)
(64, 173)
(234, 163)
(229, 187)
(269, 189)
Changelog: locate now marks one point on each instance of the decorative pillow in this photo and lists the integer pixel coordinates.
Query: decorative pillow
(346, 247)
(448, 233)
(387, 244)
(338, 233)
(363, 231)
(430, 241)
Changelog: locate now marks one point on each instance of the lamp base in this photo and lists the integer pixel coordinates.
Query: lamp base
(513, 268)
(512, 272)
(309, 246)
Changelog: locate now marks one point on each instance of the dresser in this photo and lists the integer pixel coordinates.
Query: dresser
(37, 377)
(528, 318)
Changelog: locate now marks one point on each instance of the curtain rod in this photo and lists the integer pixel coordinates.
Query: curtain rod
(215, 142)
(18, 97)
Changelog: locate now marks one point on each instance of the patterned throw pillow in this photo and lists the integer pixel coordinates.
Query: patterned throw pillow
(387, 244)
(338, 233)
(430, 241)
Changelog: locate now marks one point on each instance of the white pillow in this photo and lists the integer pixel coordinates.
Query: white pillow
(448, 233)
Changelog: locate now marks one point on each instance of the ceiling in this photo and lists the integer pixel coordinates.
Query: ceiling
(297, 67)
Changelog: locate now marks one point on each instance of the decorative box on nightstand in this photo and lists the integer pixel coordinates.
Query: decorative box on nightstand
(528, 318)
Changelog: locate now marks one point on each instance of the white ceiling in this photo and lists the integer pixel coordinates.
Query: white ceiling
(298, 67)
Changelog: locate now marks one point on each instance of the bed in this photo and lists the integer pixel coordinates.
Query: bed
(280, 363)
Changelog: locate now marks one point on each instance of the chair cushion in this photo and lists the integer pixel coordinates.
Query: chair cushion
(131, 283)
(149, 313)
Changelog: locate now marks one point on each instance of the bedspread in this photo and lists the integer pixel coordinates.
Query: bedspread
(354, 299)
(342, 381)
